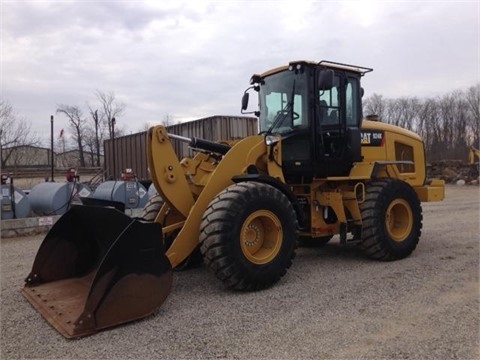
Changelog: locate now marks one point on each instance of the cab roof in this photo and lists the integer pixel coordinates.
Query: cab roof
(324, 63)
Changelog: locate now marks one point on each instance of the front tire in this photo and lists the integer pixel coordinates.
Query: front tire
(392, 220)
(248, 235)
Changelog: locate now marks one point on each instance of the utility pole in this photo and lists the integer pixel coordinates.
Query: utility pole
(113, 149)
(51, 146)
(1, 148)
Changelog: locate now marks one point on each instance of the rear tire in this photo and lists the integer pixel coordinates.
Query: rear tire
(248, 235)
(392, 220)
(151, 208)
(149, 213)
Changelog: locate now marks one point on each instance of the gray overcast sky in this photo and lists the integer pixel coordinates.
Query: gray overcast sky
(192, 59)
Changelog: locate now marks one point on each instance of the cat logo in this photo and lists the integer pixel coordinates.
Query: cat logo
(372, 137)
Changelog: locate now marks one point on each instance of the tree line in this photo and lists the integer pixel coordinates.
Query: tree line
(14, 131)
(448, 124)
(88, 129)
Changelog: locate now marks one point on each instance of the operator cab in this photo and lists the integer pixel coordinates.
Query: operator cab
(315, 108)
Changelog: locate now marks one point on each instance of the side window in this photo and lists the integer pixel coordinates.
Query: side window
(330, 104)
(330, 97)
(404, 153)
(352, 111)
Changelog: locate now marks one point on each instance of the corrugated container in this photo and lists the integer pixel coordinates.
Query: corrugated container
(130, 150)
(129, 153)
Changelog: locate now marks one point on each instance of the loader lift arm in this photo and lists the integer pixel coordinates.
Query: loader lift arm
(169, 177)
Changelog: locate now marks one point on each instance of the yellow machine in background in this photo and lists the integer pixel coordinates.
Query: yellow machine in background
(472, 153)
(316, 169)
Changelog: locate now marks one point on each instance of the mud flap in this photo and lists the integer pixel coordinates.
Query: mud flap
(98, 268)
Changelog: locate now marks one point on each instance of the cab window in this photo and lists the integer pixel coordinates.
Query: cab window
(330, 104)
(351, 98)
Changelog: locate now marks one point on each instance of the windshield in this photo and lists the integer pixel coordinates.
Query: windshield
(283, 102)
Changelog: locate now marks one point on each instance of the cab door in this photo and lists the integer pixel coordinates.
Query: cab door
(337, 132)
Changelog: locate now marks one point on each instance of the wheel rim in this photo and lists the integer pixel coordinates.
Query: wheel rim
(399, 220)
(261, 236)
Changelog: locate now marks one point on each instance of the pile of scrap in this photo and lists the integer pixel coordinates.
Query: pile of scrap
(455, 172)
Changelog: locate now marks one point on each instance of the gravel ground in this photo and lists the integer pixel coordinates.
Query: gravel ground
(333, 304)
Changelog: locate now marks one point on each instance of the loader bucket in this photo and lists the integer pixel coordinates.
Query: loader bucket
(98, 268)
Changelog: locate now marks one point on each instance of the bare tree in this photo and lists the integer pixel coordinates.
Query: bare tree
(429, 128)
(375, 105)
(473, 123)
(144, 127)
(168, 120)
(77, 123)
(14, 132)
(96, 135)
(459, 126)
(448, 124)
(92, 158)
(402, 112)
(110, 109)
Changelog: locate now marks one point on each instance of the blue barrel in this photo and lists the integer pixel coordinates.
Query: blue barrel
(14, 202)
(52, 198)
(131, 193)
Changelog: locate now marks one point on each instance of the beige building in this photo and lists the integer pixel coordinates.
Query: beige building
(71, 159)
(26, 156)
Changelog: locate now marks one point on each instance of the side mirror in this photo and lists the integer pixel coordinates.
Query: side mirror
(245, 97)
(325, 79)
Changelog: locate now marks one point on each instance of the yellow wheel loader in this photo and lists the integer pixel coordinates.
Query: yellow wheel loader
(472, 153)
(316, 169)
